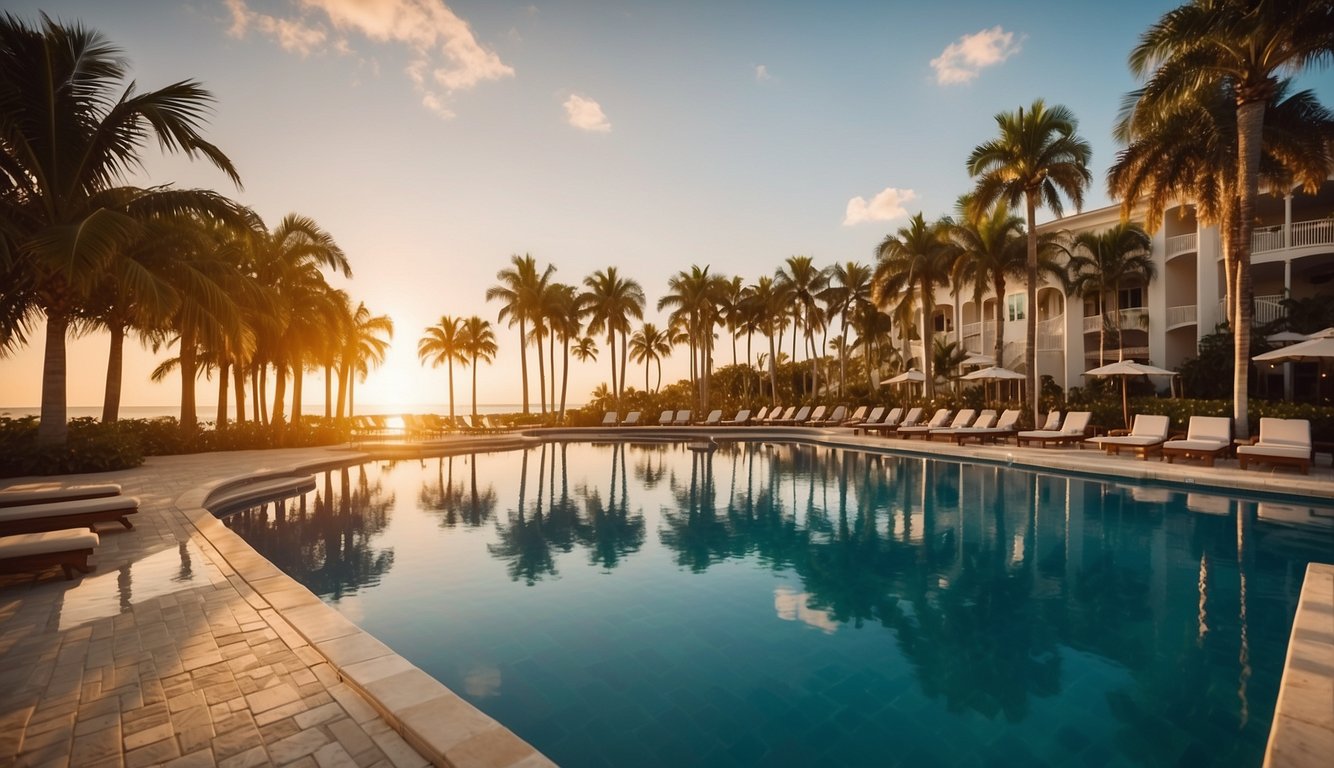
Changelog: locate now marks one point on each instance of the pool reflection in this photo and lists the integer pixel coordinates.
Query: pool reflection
(1157, 617)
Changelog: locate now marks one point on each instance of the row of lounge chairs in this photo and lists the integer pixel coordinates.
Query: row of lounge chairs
(43, 528)
(422, 426)
(1281, 442)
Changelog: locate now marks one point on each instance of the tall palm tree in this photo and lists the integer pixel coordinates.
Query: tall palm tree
(732, 308)
(696, 297)
(650, 345)
(70, 135)
(565, 320)
(479, 342)
(915, 260)
(768, 299)
(443, 343)
(1247, 43)
(520, 285)
(993, 249)
(612, 302)
(365, 345)
(1101, 262)
(848, 290)
(805, 281)
(1037, 158)
(1188, 152)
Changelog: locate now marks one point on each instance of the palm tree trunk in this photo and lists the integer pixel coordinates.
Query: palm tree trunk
(523, 362)
(564, 373)
(115, 366)
(279, 393)
(451, 391)
(189, 419)
(611, 346)
(999, 349)
(340, 411)
(238, 380)
(541, 372)
(298, 378)
(625, 356)
(1250, 124)
(261, 395)
(773, 371)
(328, 391)
(474, 393)
(928, 342)
(53, 427)
(351, 392)
(1116, 318)
(224, 370)
(551, 354)
(1030, 311)
(1102, 328)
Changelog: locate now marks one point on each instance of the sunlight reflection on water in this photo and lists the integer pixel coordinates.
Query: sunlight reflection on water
(162, 573)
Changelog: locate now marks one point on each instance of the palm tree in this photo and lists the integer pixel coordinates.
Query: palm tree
(733, 310)
(992, 250)
(479, 342)
(1189, 152)
(768, 299)
(564, 318)
(612, 301)
(849, 289)
(70, 136)
(916, 259)
(696, 297)
(1101, 262)
(520, 286)
(805, 282)
(1037, 158)
(443, 343)
(649, 345)
(365, 345)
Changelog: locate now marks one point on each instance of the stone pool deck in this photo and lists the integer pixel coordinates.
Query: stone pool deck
(185, 647)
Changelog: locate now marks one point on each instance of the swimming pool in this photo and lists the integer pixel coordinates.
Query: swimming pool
(773, 603)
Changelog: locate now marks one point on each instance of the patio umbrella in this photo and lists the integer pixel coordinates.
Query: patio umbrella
(912, 374)
(1125, 369)
(977, 358)
(994, 374)
(1318, 348)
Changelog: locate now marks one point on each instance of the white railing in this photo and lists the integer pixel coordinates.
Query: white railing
(1182, 244)
(1184, 315)
(1307, 233)
(1266, 239)
(971, 329)
(1133, 319)
(1113, 353)
(1269, 308)
(1051, 334)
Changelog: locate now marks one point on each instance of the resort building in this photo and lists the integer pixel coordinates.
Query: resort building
(1162, 322)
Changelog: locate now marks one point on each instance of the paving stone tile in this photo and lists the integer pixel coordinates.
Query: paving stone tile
(250, 758)
(297, 745)
(149, 736)
(152, 754)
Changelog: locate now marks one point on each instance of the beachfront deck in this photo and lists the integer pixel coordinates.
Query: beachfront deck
(184, 649)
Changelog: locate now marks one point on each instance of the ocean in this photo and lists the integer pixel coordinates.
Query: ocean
(209, 412)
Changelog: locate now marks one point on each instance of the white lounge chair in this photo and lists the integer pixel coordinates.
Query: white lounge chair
(779, 416)
(876, 415)
(631, 419)
(1004, 427)
(893, 423)
(759, 417)
(666, 418)
(1147, 435)
(803, 413)
(67, 548)
(79, 513)
(939, 420)
(985, 419)
(1281, 441)
(1207, 438)
(682, 418)
(817, 415)
(858, 415)
(742, 416)
(714, 418)
(610, 419)
(1073, 430)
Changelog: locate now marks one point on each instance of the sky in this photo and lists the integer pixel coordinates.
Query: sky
(433, 140)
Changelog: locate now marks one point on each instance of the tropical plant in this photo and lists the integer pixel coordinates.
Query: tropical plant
(649, 345)
(612, 302)
(915, 260)
(519, 288)
(804, 281)
(443, 343)
(696, 298)
(848, 291)
(70, 135)
(364, 346)
(1037, 158)
(767, 299)
(1246, 43)
(479, 342)
(1101, 263)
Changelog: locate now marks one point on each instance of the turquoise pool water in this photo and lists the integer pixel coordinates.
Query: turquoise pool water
(779, 604)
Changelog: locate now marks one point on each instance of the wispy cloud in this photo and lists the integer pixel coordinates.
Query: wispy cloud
(444, 56)
(586, 114)
(963, 59)
(885, 206)
(762, 73)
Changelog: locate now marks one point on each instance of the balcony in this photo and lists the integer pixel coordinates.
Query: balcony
(1268, 308)
(1178, 317)
(1302, 234)
(1127, 353)
(1051, 334)
(1182, 244)
(1132, 319)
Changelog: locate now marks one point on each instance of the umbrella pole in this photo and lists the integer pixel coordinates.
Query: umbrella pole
(1125, 402)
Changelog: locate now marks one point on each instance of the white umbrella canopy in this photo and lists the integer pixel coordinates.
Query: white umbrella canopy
(912, 374)
(978, 358)
(1318, 346)
(1286, 337)
(1125, 369)
(994, 374)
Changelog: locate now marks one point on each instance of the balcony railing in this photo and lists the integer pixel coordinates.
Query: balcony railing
(1269, 308)
(1184, 315)
(1114, 354)
(1302, 234)
(1051, 334)
(1182, 244)
(1133, 319)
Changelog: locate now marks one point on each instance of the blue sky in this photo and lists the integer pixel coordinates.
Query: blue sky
(433, 140)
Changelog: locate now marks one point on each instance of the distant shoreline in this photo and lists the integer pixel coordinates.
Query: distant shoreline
(208, 413)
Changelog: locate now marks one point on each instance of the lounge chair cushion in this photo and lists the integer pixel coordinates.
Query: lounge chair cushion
(64, 514)
(16, 498)
(1195, 445)
(1279, 451)
(47, 542)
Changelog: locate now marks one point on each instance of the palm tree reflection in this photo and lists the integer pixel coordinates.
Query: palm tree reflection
(458, 505)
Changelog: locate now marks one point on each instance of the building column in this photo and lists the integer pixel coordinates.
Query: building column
(1208, 265)
(1287, 222)
(1155, 300)
(1287, 293)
